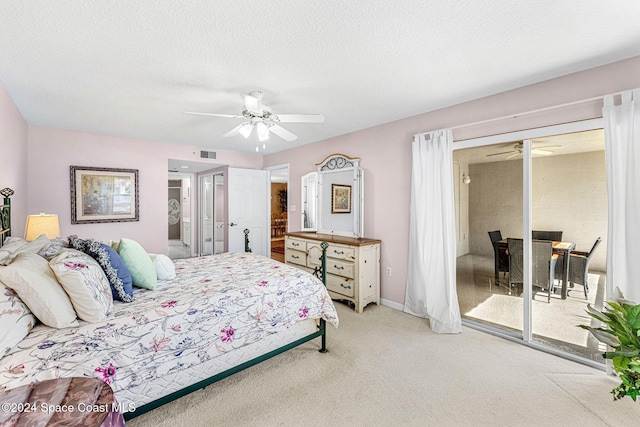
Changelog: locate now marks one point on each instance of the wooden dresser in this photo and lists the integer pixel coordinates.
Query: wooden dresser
(353, 264)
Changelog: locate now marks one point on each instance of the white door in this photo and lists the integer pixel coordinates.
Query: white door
(249, 209)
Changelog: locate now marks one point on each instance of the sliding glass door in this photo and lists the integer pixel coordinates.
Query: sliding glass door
(568, 215)
(541, 196)
(488, 190)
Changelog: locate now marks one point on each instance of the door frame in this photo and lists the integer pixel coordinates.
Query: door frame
(288, 182)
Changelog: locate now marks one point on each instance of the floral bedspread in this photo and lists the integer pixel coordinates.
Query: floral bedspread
(214, 305)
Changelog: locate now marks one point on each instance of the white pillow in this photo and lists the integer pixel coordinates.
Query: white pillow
(16, 320)
(15, 245)
(86, 284)
(165, 268)
(32, 279)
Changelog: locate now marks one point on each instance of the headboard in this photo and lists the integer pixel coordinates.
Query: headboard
(5, 215)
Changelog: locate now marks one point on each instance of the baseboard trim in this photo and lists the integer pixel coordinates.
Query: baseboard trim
(392, 304)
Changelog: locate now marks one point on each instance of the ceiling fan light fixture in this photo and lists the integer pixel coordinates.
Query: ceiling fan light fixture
(263, 131)
(245, 130)
(261, 116)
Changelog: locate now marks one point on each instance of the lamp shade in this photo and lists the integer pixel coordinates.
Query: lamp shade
(263, 132)
(246, 129)
(42, 224)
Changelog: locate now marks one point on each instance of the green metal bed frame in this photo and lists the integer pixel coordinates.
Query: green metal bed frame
(5, 215)
(5, 231)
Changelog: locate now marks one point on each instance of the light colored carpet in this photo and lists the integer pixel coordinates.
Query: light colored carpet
(386, 368)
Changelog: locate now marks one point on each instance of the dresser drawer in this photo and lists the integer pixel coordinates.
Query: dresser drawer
(295, 257)
(340, 268)
(341, 252)
(341, 285)
(297, 244)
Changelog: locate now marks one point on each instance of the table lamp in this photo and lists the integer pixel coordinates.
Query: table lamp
(42, 224)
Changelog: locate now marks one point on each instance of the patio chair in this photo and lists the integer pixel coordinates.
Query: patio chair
(501, 253)
(578, 267)
(542, 267)
(554, 236)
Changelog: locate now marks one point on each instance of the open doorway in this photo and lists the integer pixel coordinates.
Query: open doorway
(179, 215)
(279, 209)
(183, 238)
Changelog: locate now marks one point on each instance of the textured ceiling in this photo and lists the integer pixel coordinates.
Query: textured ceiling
(131, 68)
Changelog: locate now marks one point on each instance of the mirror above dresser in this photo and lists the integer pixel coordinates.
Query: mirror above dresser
(332, 197)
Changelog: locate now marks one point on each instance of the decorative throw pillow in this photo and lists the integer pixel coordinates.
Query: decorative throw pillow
(16, 245)
(116, 270)
(112, 264)
(165, 268)
(86, 284)
(32, 279)
(139, 264)
(16, 320)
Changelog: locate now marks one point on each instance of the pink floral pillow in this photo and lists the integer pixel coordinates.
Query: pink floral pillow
(86, 284)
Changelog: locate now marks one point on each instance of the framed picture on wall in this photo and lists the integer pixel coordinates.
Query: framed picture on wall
(340, 198)
(103, 195)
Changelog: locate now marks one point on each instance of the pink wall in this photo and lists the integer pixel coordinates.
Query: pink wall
(385, 151)
(52, 151)
(13, 173)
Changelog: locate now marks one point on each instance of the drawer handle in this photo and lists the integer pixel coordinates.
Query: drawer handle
(295, 256)
(295, 244)
(338, 252)
(338, 267)
(346, 287)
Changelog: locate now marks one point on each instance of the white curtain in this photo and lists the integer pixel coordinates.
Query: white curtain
(431, 270)
(622, 148)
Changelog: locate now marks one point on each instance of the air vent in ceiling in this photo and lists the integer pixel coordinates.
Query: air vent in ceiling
(207, 154)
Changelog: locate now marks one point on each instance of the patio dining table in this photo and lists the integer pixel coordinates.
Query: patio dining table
(558, 247)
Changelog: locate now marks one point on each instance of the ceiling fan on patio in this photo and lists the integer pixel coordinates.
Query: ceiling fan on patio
(518, 148)
(261, 117)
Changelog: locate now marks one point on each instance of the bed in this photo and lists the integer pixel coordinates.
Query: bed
(219, 315)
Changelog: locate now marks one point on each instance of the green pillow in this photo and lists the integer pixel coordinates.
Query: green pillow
(139, 264)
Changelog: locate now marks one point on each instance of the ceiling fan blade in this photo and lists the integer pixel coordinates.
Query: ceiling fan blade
(299, 118)
(497, 154)
(282, 132)
(253, 102)
(229, 116)
(236, 130)
(542, 152)
(552, 147)
(513, 155)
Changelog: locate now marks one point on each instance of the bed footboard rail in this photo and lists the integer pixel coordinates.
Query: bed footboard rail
(246, 240)
(323, 276)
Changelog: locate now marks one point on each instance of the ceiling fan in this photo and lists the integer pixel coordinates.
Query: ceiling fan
(518, 148)
(260, 116)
